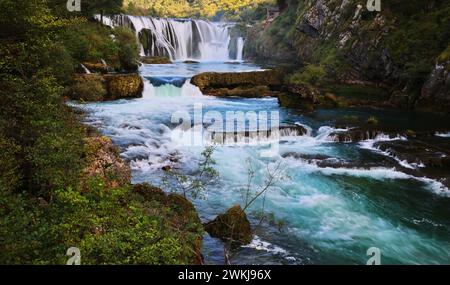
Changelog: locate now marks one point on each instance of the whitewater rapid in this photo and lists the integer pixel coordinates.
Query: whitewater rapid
(333, 213)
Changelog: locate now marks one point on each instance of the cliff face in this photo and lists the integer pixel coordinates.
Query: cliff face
(404, 47)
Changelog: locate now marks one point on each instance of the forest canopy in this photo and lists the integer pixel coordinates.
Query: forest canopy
(211, 9)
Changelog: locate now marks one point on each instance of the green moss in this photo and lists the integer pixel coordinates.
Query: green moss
(294, 101)
(445, 55)
(123, 86)
(372, 121)
(87, 88)
(311, 75)
(128, 49)
(232, 225)
(156, 60)
(359, 92)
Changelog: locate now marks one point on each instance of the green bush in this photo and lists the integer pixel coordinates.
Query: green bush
(47, 135)
(87, 88)
(9, 167)
(109, 226)
(90, 42)
(311, 75)
(128, 48)
(43, 211)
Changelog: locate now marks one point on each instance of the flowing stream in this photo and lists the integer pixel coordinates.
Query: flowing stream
(330, 214)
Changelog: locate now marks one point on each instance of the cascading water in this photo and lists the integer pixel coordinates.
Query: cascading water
(86, 70)
(337, 199)
(181, 39)
(240, 48)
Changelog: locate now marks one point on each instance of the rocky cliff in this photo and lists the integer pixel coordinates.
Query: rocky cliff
(403, 48)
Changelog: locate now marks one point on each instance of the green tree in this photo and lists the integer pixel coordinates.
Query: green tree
(102, 7)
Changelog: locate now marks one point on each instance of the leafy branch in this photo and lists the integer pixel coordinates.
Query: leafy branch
(193, 185)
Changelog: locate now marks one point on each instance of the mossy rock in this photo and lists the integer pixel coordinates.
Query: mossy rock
(181, 204)
(123, 86)
(96, 87)
(372, 121)
(358, 95)
(190, 61)
(156, 60)
(232, 225)
(96, 67)
(299, 96)
(242, 91)
(87, 87)
(329, 100)
(294, 101)
(209, 80)
(150, 192)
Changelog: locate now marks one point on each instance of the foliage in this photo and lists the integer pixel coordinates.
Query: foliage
(193, 185)
(90, 42)
(90, 88)
(32, 113)
(420, 36)
(254, 190)
(89, 8)
(128, 48)
(311, 74)
(210, 9)
(109, 226)
(43, 211)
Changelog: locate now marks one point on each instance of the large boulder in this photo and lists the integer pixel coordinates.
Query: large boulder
(243, 91)
(96, 87)
(244, 84)
(124, 86)
(155, 60)
(298, 96)
(234, 79)
(231, 226)
(435, 93)
(87, 87)
(96, 67)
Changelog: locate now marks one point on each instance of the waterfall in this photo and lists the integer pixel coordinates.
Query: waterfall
(86, 70)
(180, 39)
(240, 48)
(168, 90)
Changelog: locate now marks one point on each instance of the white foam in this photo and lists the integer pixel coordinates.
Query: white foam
(324, 133)
(443, 135)
(314, 200)
(307, 128)
(369, 145)
(377, 173)
(259, 244)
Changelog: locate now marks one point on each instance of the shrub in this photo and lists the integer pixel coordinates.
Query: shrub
(90, 42)
(87, 88)
(310, 75)
(128, 48)
(372, 121)
(9, 167)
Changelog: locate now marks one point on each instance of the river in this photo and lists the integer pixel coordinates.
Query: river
(331, 215)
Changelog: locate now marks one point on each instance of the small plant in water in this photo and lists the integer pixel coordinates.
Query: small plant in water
(372, 121)
(253, 190)
(195, 184)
